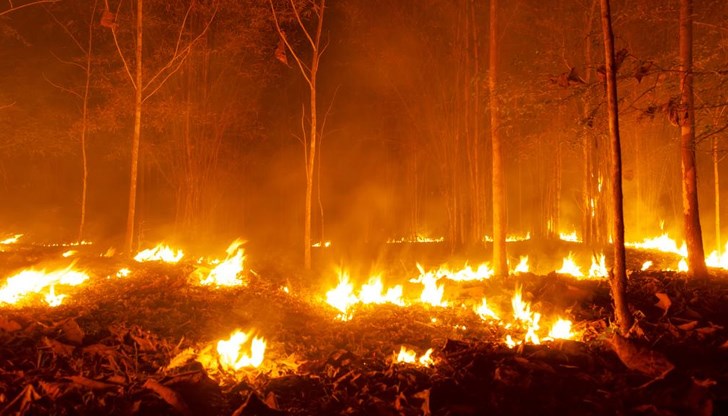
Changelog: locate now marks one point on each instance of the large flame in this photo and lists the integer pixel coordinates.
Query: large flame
(662, 243)
(29, 282)
(161, 253)
(342, 296)
(228, 272)
(373, 292)
(11, 240)
(522, 266)
(598, 267)
(561, 329)
(432, 293)
(485, 312)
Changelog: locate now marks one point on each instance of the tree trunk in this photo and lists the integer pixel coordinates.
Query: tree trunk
(619, 273)
(691, 214)
(716, 184)
(84, 129)
(129, 239)
(500, 257)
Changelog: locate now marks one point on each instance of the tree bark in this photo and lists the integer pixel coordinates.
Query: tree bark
(716, 184)
(500, 257)
(619, 273)
(691, 213)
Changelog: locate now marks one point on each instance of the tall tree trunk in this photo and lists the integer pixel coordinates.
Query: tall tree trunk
(691, 214)
(129, 239)
(84, 128)
(716, 184)
(619, 274)
(500, 257)
(589, 200)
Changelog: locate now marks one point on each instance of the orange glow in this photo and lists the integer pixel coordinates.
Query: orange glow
(408, 356)
(229, 271)
(161, 253)
(11, 240)
(28, 282)
(569, 267)
(522, 266)
(598, 267)
(662, 243)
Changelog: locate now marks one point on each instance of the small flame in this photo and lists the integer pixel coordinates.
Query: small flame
(522, 266)
(682, 266)
(522, 312)
(561, 329)
(715, 259)
(408, 356)
(11, 240)
(161, 253)
(342, 296)
(598, 267)
(484, 311)
(228, 272)
(232, 356)
(318, 244)
(432, 293)
(572, 236)
(569, 267)
(69, 253)
(646, 265)
(52, 299)
(123, 273)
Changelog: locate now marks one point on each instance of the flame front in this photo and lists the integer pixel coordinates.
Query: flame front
(522, 266)
(662, 243)
(598, 267)
(161, 253)
(408, 356)
(29, 282)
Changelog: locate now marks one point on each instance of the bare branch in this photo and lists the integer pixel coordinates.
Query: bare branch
(305, 71)
(22, 6)
(2, 107)
(303, 27)
(62, 88)
(118, 48)
(63, 61)
(65, 29)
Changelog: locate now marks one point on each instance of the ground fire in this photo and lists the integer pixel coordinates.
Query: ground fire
(363, 207)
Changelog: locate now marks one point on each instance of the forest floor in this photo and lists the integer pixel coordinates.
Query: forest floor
(130, 346)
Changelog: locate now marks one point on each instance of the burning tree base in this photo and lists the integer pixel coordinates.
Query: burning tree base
(149, 343)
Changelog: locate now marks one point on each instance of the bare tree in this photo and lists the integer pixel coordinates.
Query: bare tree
(618, 276)
(16, 7)
(309, 72)
(691, 215)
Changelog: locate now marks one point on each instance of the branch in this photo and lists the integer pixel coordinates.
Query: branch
(179, 57)
(22, 6)
(303, 27)
(118, 48)
(62, 88)
(2, 107)
(63, 61)
(65, 29)
(304, 69)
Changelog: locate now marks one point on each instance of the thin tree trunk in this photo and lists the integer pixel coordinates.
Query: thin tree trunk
(691, 213)
(129, 239)
(716, 184)
(589, 201)
(500, 257)
(84, 129)
(619, 274)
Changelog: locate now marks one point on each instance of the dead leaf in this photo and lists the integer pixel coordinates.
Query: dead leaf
(58, 347)
(271, 401)
(90, 384)
(688, 326)
(254, 406)
(181, 359)
(640, 358)
(168, 395)
(52, 390)
(664, 302)
(72, 333)
(9, 325)
(425, 395)
(25, 397)
(144, 344)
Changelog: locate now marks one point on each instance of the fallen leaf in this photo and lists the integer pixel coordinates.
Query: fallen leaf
(8, 325)
(72, 333)
(639, 358)
(425, 396)
(58, 347)
(181, 359)
(52, 390)
(664, 302)
(144, 344)
(688, 326)
(168, 395)
(89, 383)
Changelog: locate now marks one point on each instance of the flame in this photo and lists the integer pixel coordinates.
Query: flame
(598, 267)
(431, 292)
(510, 238)
(408, 356)
(569, 267)
(466, 274)
(561, 329)
(646, 265)
(572, 236)
(228, 272)
(715, 259)
(484, 312)
(325, 244)
(342, 296)
(233, 357)
(509, 341)
(161, 253)
(662, 243)
(522, 312)
(69, 253)
(11, 240)
(522, 266)
(123, 272)
(28, 282)
(682, 266)
(372, 293)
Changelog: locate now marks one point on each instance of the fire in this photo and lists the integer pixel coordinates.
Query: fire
(29, 282)
(484, 311)
(408, 356)
(522, 266)
(598, 267)
(123, 272)
(69, 253)
(662, 243)
(11, 240)
(466, 274)
(572, 236)
(228, 272)
(682, 266)
(319, 244)
(233, 357)
(717, 260)
(161, 253)
(432, 293)
(372, 292)
(418, 238)
(342, 296)
(561, 329)
(510, 238)
(646, 265)
(569, 267)
(522, 312)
